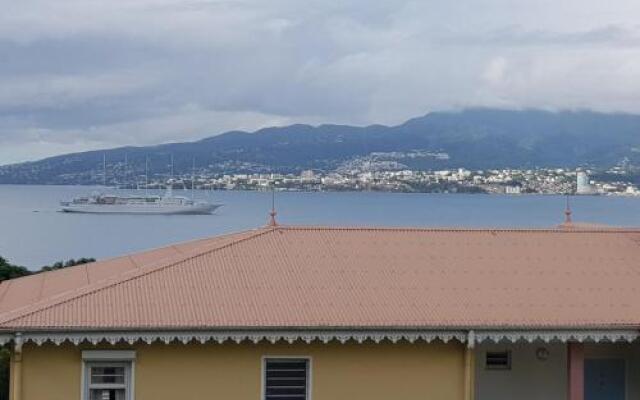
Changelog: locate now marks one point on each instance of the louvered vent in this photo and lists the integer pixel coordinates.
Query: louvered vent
(498, 360)
(286, 379)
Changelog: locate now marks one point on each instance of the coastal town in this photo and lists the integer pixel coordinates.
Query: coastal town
(505, 181)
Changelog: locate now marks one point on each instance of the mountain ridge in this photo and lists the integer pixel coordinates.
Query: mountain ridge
(476, 138)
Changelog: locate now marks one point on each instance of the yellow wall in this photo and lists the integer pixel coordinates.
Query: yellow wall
(233, 372)
(51, 373)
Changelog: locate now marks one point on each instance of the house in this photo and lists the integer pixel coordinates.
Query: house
(298, 313)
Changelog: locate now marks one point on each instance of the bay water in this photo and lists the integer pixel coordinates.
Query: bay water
(34, 233)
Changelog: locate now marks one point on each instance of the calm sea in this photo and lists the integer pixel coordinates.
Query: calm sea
(33, 233)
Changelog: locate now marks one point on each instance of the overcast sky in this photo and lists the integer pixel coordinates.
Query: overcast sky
(87, 74)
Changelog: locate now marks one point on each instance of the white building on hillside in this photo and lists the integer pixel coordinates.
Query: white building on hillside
(583, 185)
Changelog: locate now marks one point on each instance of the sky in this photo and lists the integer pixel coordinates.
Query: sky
(88, 74)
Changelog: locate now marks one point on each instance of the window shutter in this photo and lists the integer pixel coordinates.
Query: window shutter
(498, 360)
(286, 379)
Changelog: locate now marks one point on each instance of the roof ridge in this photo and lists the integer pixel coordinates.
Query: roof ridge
(603, 229)
(141, 271)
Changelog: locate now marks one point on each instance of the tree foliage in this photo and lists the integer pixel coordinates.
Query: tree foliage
(69, 263)
(10, 271)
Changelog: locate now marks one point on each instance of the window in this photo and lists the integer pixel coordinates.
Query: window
(108, 375)
(286, 379)
(108, 381)
(498, 360)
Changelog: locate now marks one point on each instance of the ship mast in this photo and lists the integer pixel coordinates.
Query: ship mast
(170, 185)
(193, 179)
(146, 176)
(104, 169)
(126, 163)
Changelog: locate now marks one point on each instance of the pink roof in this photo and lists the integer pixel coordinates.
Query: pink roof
(313, 277)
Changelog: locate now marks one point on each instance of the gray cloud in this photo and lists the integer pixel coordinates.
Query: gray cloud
(85, 75)
(516, 36)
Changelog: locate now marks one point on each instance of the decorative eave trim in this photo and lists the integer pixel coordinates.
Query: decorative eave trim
(202, 337)
(471, 337)
(563, 336)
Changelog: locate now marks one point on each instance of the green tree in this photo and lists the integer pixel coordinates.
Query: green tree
(65, 264)
(10, 271)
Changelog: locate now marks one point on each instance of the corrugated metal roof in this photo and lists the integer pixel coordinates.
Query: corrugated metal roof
(347, 277)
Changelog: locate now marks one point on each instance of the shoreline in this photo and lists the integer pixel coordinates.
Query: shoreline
(326, 190)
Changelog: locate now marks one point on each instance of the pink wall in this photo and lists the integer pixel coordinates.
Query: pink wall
(576, 371)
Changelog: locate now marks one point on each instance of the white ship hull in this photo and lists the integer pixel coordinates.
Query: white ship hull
(157, 209)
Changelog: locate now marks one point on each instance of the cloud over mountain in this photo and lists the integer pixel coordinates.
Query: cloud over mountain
(77, 75)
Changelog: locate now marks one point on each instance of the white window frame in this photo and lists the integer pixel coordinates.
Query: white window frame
(263, 372)
(127, 359)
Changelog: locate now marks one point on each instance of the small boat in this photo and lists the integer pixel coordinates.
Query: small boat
(147, 204)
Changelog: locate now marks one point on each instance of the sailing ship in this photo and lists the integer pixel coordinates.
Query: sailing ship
(99, 203)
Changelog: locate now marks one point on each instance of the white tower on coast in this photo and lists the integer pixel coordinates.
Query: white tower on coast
(583, 186)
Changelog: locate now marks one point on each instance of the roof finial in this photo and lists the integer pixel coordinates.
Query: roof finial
(273, 213)
(567, 213)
